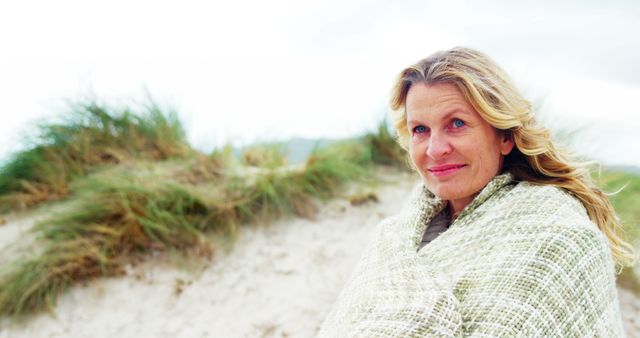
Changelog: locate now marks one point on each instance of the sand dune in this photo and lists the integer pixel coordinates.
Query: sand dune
(278, 280)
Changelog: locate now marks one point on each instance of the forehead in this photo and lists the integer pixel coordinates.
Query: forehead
(423, 98)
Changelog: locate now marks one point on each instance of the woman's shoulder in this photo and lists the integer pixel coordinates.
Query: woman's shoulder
(541, 191)
(545, 201)
(554, 212)
(532, 213)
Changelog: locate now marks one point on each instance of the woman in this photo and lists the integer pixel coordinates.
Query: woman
(504, 237)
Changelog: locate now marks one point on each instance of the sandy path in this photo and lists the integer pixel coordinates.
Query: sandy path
(278, 281)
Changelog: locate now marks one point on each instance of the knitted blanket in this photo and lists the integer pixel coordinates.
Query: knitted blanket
(521, 260)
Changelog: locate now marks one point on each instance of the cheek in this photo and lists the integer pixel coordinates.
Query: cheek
(415, 153)
(488, 164)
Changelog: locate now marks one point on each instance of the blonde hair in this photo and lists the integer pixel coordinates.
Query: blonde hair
(534, 158)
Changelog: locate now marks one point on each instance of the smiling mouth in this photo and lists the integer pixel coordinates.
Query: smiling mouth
(445, 170)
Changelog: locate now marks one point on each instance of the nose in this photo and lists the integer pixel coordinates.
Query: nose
(439, 146)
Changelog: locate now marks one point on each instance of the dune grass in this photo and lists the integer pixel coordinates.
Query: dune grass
(115, 220)
(91, 135)
(264, 155)
(384, 148)
(122, 216)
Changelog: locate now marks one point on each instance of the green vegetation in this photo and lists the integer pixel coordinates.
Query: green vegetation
(626, 201)
(384, 148)
(92, 135)
(262, 155)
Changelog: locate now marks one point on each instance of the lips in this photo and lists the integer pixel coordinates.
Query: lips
(446, 169)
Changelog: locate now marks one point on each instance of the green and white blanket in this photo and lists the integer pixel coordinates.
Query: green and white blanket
(521, 260)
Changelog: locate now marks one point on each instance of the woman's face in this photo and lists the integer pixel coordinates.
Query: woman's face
(454, 149)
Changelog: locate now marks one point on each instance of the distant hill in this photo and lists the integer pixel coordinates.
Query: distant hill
(297, 149)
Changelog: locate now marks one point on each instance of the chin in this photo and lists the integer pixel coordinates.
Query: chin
(446, 196)
(442, 192)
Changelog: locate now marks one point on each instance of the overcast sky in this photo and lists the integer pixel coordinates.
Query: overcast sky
(252, 70)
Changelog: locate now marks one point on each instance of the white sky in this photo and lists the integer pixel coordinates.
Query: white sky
(252, 70)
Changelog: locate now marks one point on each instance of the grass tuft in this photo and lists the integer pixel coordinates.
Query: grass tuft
(363, 198)
(90, 136)
(264, 155)
(384, 147)
(114, 220)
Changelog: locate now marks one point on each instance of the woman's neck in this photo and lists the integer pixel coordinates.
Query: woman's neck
(456, 206)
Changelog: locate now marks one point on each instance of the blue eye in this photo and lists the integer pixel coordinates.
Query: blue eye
(458, 123)
(419, 129)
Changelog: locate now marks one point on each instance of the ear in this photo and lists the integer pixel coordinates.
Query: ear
(506, 143)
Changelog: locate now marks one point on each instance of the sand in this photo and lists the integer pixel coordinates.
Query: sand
(278, 280)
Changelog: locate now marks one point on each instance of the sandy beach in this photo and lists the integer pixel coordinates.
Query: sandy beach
(278, 280)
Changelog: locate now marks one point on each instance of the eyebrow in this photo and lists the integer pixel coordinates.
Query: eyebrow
(447, 114)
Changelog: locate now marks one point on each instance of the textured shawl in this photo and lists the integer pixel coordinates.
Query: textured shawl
(521, 260)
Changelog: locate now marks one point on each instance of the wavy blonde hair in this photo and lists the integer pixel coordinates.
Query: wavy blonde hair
(534, 158)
